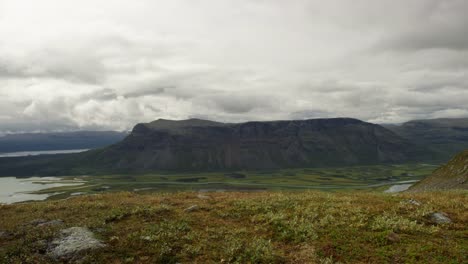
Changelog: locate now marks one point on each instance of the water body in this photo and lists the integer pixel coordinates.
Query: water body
(398, 188)
(42, 152)
(13, 190)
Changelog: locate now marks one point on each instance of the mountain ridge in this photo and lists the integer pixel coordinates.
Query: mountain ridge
(203, 145)
(445, 137)
(196, 144)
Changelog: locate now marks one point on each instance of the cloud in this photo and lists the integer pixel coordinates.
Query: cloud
(67, 65)
(440, 26)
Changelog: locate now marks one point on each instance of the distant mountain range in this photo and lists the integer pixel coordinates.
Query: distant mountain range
(443, 137)
(59, 140)
(453, 175)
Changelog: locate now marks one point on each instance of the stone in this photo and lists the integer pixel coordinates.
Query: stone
(37, 222)
(203, 197)
(51, 223)
(414, 202)
(440, 218)
(192, 208)
(392, 237)
(72, 242)
(5, 234)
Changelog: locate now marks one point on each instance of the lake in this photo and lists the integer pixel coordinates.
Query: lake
(13, 190)
(399, 188)
(42, 152)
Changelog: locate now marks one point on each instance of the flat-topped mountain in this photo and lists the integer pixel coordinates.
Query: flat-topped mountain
(453, 175)
(196, 144)
(445, 136)
(202, 145)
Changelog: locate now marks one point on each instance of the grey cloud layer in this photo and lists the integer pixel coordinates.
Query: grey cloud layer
(101, 64)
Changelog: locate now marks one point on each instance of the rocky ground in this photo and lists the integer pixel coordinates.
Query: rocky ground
(267, 227)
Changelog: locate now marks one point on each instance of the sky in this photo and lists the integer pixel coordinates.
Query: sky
(107, 65)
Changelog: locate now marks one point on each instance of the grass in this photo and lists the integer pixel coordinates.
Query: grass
(247, 227)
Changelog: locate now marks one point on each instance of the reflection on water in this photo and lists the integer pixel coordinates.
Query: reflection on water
(398, 188)
(13, 190)
(42, 152)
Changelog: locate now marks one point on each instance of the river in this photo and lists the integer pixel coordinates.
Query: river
(42, 152)
(13, 190)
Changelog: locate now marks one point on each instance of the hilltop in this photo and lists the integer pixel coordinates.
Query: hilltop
(260, 227)
(453, 175)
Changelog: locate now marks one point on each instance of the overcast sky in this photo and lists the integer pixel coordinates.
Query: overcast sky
(90, 64)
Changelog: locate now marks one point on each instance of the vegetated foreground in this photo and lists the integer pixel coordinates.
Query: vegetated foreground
(262, 227)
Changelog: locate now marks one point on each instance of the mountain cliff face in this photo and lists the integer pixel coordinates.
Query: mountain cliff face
(445, 137)
(453, 175)
(205, 145)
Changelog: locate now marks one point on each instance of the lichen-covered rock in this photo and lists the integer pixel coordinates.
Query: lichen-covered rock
(440, 218)
(72, 242)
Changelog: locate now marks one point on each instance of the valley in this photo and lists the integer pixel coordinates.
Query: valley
(370, 178)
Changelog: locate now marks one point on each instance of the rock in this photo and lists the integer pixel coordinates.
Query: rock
(37, 222)
(114, 240)
(43, 222)
(51, 223)
(5, 235)
(72, 242)
(414, 202)
(202, 196)
(440, 218)
(192, 208)
(146, 238)
(392, 237)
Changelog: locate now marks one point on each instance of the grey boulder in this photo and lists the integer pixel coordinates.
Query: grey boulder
(72, 242)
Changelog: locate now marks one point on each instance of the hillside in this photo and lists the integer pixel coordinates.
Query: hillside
(200, 145)
(261, 227)
(205, 145)
(445, 137)
(453, 175)
(59, 140)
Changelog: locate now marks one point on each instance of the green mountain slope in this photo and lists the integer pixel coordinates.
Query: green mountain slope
(453, 175)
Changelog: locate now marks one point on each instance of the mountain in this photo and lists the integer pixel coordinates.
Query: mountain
(196, 144)
(59, 140)
(445, 137)
(453, 175)
(202, 145)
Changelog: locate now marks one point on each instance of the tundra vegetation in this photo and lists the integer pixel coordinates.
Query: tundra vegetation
(248, 227)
